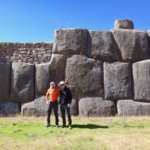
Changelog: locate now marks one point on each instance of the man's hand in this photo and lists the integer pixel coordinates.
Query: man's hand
(47, 102)
(68, 105)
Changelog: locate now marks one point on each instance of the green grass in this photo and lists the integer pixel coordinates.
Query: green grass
(101, 133)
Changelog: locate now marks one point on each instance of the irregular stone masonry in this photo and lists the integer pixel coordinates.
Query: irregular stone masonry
(104, 69)
(26, 52)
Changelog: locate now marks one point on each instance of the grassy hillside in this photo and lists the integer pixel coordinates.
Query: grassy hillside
(87, 134)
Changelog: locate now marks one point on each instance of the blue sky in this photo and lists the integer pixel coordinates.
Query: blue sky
(36, 20)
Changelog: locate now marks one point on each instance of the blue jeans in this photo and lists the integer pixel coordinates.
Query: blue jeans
(63, 109)
(54, 106)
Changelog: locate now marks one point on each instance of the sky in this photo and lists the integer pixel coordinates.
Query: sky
(36, 20)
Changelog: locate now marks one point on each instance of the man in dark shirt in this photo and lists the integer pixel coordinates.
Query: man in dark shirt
(65, 102)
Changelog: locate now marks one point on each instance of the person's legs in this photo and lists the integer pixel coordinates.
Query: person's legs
(69, 116)
(55, 107)
(62, 108)
(48, 114)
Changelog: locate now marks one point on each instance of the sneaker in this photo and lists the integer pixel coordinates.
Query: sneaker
(70, 126)
(56, 126)
(48, 125)
(63, 126)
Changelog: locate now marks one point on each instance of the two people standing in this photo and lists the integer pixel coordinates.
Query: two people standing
(62, 96)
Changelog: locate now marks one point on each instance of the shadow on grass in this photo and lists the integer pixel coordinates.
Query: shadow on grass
(89, 126)
(133, 126)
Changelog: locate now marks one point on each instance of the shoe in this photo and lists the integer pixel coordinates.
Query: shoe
(70, 126)
(63, 126)
(56, 126)
(48, 125)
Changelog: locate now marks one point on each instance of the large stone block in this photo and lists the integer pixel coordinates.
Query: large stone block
(57, 67)
(133, 44)
(4, 80)
(52, 71)
(70, 41)
(149, 42)
(117, 80)
(22, 82)
(96, 106)
(124, 24)
(104, 46)
(148, 32)
(42, 78)
(85, 76)
(9, 109)
(74, 109)
(36, 108)
(141, 77)
(132, 108)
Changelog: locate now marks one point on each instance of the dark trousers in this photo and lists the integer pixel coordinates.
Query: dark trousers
(63, 109)
(54, 106)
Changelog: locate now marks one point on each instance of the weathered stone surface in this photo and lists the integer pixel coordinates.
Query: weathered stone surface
(149, 42)
(104, 46)
(42, 78)
(85, 76)
(70, 41)
(22, 82)
(4, 80)
(52, 71)
(25, 52)
(57, 67)
(124, 24)
(141, 77)
(96, 106)
(8, 109)
(132, 108)
(36, 108)
(148, 32)
(117, 80)
(74, 107)
(133, 44)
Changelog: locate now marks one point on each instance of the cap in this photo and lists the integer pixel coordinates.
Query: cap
(52, 83)
(62, 83)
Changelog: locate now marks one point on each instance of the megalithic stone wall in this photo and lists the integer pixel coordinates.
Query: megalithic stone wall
(107, 72)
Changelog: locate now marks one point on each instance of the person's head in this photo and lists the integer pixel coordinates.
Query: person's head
(62, 84)
(52, 84)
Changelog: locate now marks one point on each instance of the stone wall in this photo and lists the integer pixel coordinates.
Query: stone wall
(107, 71)
(26, 52)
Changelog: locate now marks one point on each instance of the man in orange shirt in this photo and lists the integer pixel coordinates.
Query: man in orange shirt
(52, 100)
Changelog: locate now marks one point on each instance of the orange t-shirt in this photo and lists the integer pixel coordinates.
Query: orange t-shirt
(53, 94)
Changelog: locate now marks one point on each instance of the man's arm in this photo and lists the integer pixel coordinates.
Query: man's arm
(70, 96)
(58, 95)
(59, 98)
